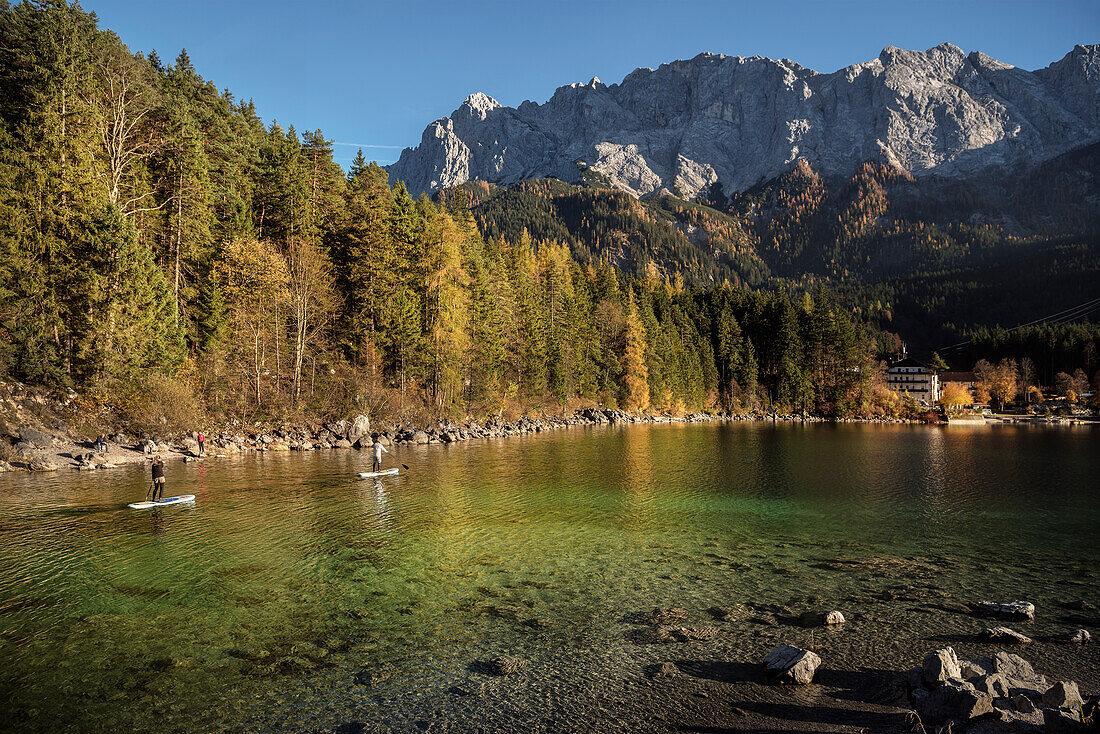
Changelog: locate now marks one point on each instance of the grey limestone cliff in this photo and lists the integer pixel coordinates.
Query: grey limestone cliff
(743, 121)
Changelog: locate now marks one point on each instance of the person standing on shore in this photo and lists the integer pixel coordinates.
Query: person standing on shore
(378, 449)
(158, 477)
(202, 444)
(101, 444)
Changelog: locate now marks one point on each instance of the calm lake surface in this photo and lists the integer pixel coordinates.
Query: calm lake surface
(293, 596)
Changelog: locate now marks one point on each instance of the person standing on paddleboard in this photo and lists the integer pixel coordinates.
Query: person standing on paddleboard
(158, 477)
(379, 449)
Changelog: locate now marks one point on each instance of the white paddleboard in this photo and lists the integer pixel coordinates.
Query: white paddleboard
(163, 501)
(369, 474)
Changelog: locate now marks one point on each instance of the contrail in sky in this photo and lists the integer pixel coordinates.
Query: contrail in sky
(369, 145)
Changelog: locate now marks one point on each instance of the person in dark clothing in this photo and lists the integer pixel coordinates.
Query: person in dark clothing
(101, 444)
(158, 477)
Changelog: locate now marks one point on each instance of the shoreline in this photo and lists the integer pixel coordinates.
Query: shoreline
(37, 450)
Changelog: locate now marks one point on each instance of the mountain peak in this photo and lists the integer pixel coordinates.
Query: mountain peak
(742, 121)
(480, 104)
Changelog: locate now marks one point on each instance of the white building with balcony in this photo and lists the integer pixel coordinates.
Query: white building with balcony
(915, 379)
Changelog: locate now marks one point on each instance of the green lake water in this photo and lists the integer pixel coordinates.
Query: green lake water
(293, 596)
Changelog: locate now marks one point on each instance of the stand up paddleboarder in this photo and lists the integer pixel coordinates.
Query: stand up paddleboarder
(158, 477)
(379, 449)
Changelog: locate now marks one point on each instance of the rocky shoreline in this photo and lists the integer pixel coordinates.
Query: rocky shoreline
(39, 449)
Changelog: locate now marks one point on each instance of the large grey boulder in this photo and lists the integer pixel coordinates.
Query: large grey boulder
(1018, 672)
(36, 438)
(1063, 694)
(951, 700)
(420, 437)
(790, 664)
(41, 463)
(1062, 721)
(941, 665)
(359, 427)
(996, 685)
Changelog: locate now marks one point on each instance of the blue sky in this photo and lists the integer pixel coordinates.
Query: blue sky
(375, 73)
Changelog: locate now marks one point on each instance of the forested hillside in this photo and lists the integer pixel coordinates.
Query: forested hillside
(926, 261)
(169, 253)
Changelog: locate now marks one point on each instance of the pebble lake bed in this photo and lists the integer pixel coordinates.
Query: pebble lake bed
(597, 578)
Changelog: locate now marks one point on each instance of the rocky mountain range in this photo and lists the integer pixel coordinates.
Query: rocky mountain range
(940, 113)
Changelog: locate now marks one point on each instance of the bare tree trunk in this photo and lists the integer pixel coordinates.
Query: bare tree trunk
(256, 353)
(179, 242)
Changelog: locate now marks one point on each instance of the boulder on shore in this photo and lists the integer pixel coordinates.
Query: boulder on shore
(790, 664)
(41, 463)
(1063, 694)
(940, 666)
(359, 427)
(951, 700)
(39, 439)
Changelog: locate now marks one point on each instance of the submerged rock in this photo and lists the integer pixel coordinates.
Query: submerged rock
(659, 615)
(692, 634)
(821, 619)
(1079, 637)
(502, 665)
(730, 613)
(666, 634)
(1004, 636)
(790, 664)
(664, 670)
(1011, 609)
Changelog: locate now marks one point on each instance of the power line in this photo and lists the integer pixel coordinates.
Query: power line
(1059, 317)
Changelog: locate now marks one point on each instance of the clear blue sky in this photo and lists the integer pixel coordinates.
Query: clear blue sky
(376, 73)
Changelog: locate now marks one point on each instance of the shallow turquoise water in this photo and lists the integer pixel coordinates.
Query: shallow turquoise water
(261, 605)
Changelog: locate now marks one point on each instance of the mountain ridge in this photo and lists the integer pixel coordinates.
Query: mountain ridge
(740, 121)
